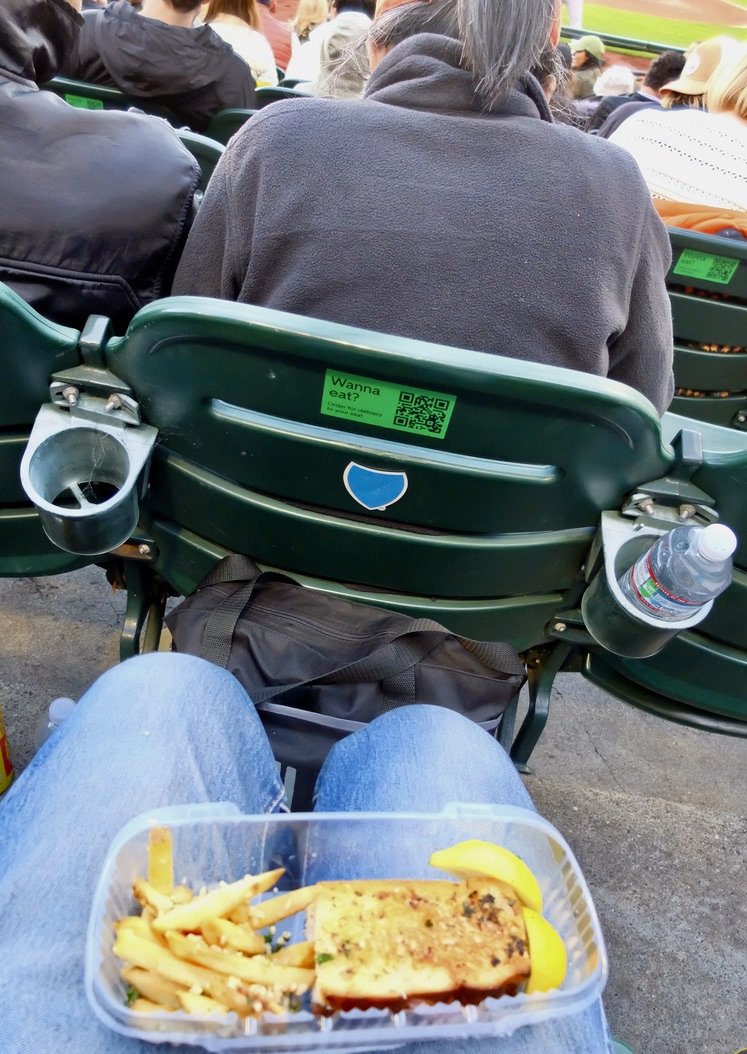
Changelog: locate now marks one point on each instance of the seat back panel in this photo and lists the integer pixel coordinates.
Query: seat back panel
(484, 448)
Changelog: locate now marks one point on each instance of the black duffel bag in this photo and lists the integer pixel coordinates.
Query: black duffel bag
(318, 666)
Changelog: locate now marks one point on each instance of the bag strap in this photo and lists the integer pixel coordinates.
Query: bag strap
(390, 663)
(233, 568)
(217, 636)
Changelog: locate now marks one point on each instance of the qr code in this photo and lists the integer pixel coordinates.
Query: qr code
(720, 270)
(421, 413)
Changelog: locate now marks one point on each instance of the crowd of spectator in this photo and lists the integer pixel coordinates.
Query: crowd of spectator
(455, 140)
(456, 175)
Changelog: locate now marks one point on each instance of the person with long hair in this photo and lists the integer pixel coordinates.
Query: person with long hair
(237, 22)
(446, 205)
(309, 15)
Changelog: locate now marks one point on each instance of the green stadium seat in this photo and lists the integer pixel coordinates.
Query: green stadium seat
(31, 350)
(700, 678)
(266, 96)
(508, 470)
(101, 97)
(496, 477)
(705, 271)
(227, 123)
(207, 152)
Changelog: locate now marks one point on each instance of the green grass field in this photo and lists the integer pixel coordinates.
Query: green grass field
(653, 28)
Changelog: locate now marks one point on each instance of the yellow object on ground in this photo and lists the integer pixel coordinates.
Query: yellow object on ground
(547, 954)
(6, 768)
(475, 858)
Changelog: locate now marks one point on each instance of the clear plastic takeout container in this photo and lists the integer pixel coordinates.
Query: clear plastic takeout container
(214, 843)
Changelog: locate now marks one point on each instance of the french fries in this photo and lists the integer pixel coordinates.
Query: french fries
(257, 969)
(300, 954)
(215, 904)
(271, 911)
(154, 987)
(203, 953)
(229, 935)
(160, 860)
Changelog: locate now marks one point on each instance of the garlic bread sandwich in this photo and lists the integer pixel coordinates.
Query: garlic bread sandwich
(396, 943)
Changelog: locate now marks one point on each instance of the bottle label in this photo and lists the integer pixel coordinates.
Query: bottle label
(651, 594)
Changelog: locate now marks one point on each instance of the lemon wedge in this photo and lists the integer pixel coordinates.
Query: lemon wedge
(547, 953)
(477, 859)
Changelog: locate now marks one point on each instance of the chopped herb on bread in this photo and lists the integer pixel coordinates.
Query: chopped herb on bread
(395, 943)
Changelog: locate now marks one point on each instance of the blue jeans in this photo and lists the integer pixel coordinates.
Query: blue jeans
(168, 729)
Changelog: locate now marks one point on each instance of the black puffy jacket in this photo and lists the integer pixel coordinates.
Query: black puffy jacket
(190, 71)
(94, 204)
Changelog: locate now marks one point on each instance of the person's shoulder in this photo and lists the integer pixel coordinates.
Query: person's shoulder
(290, 119)
(284, 132)
(109, 16)
(613, 166)
(145, 135)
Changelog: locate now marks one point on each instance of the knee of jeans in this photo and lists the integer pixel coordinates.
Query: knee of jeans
(421, 722)
(162, 684)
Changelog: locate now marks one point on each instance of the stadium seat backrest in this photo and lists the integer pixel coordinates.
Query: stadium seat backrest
(708, 291)
(102, 97)
(266, 96)
(384, 463)
(227, 123)
(31, 349)
(207, 152)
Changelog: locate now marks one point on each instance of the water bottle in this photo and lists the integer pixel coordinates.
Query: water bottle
(682, 571)
(59, 709)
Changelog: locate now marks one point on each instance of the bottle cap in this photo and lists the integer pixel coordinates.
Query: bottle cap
(59, 709)
(716, 542)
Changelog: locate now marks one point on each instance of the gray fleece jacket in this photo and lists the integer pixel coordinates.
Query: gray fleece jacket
(416, 211)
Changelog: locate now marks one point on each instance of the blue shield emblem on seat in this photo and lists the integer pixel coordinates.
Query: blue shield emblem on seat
(373, 488)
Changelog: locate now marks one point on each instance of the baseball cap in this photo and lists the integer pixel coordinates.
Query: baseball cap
(592, 45)
(700, 65)
(615, 80)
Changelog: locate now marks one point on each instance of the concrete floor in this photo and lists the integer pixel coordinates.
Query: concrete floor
(655, 813)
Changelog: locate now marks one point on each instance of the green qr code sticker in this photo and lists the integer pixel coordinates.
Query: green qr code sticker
(83, 103)
(371, 402)
(694, 264)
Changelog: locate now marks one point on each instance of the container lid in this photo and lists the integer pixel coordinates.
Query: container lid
(716, 542)
(59, 709)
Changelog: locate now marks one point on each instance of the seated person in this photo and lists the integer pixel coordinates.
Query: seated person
(154, 53)
(349, 20)
(237, 22)
(707, 219)
(587, 64)
(613, 111)
(280, 35)
(446, 205)
(692, 155)
(167, 729)
(94, 204)
(616, 81)
(309, 15)
(343, 66)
